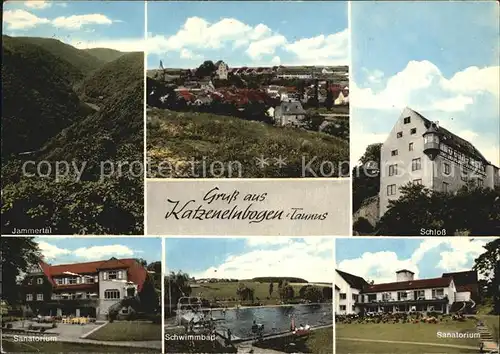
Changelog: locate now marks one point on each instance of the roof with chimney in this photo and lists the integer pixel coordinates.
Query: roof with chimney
(353, 280)
(136, 272)
(409, 285)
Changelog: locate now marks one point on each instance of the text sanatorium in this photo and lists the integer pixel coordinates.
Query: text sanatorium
(186, 211)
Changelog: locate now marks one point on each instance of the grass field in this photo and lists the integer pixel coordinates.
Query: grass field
(411, 332)
(226, 291)
(61, 347)
(318, 342)
(352, 347)
(128, 331)
(176, 139)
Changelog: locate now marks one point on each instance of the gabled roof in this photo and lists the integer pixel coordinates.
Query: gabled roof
(292, 108)
(408, 285)
(135, 271)
(353, 280)
(453, 140)
(464, 281)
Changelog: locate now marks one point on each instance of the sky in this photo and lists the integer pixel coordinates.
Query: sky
(184, 34)
(379, 259)
(309, 258)
(63, 250)
(439, 58)
(117, 25)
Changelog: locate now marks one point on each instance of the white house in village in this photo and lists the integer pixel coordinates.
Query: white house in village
(420, 151)
(289, 114)
(222, 70)
(354, 294)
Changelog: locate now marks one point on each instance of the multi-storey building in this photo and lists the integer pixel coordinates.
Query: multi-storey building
(406, 294)
(421, 152)
(83, 289)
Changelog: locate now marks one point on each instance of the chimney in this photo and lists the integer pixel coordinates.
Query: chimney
(404, 275)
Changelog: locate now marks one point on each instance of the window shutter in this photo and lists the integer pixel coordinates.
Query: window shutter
(104, 275)
(119, 274)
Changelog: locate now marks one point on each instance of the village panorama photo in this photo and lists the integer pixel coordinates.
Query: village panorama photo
(247, 90)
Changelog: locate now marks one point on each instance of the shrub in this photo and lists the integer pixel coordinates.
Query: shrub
(362, 225)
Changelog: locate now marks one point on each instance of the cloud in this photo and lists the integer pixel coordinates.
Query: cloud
(257, 42)
(188, 54)
(122, 44)
(37, 4)
(101, 252)
(454, 255)
(309, 258)
(75, 22)
(21, 20)
(331, 49)
(422, 86)
(52, 252)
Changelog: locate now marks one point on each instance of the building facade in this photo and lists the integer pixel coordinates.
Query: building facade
(289, 114)
(419, 151)
(82, 289)
(406, 294)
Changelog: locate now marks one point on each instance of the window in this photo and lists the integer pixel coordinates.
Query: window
(413, 131)
(393, 170)
(400, 135)
(39, 281)
(480, 182)
(386, 296)
(372, 297)
(112, 294)
(39, 297)
(343, 296)
(354, 307)
(445, 187)
(407, 120)
(355, 297)
(437, 293)
(112, 274)
(29, 281)
(402, 295)
(72, 281)
(416, 164)
(417, 182)
(342, 307)
(394, 153)
(29, 297)
(420, 294)
(447, 168)
(391, 189)
(410, 147)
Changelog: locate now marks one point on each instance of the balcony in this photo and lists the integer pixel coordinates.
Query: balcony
(410, 300)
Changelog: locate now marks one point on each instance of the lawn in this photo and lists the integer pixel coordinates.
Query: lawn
(188, 143)
(319, 342)
(410, 332)
(62, 347)
(128, 331)
(353, 347)
(227, 291)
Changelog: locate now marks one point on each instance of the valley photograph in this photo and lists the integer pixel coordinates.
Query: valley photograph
(248, 295)
(417, 295)
(72, 117)
(247, 90)
(81, 294)
(426, 122)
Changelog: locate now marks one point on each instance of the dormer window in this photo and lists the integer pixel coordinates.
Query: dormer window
(407, 120)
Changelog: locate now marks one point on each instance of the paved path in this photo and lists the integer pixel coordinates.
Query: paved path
(410, 343)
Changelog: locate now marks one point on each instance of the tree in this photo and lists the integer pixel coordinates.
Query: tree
(327, 292)
(271, 286)
(488, 266)
(287, 292)
(205, 69)
(313, 294)
(245, 293)
(142, 262)
(18, 254)
(176, 286)
(329, 99)
(365, 183)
